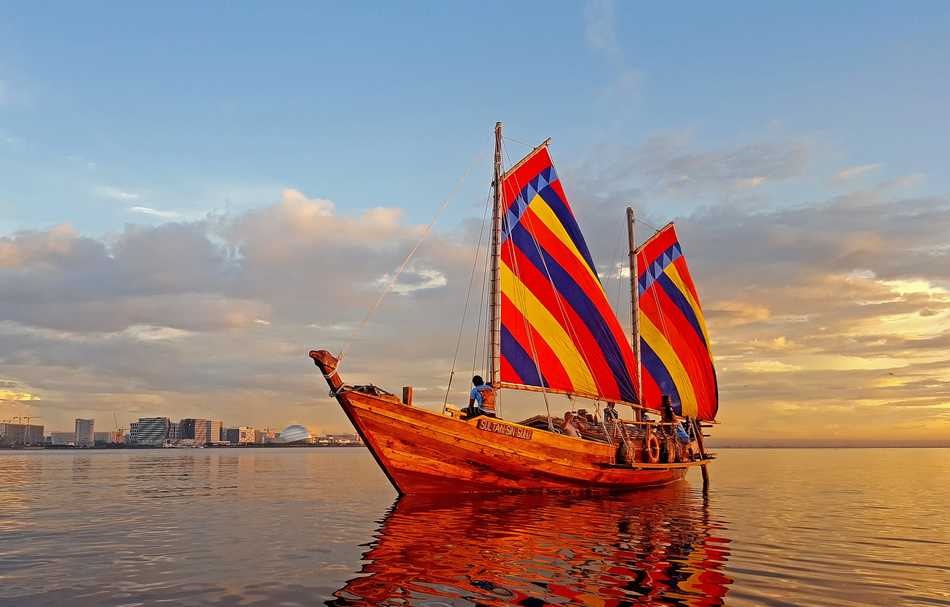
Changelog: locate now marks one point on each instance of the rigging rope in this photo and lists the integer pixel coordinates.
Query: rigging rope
(468, 293)
(482, 313)
(405, 262)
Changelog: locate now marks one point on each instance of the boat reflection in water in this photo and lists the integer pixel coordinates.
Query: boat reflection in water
(651, 547)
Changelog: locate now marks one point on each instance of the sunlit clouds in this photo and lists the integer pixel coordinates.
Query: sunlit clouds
(829, 320)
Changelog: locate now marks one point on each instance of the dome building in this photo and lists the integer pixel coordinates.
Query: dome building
(294, 433)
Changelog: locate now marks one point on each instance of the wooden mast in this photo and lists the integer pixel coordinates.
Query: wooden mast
(494, 377)
(634, 297)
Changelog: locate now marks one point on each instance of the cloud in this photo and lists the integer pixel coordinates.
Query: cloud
(155, 212)
(858, 170)
(115, 193)
(672, 169)
(13, 391)
(835, 312)
(600, 29)
(167, 318)
(623, 85)
(413, 280)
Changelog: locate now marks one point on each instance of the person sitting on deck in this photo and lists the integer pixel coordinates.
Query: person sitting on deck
(570, 425)
(681, 434)
(481, 400)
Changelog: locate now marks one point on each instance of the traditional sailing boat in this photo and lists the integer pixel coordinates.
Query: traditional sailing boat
(553, 331)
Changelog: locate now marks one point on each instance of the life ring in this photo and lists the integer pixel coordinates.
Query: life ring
(652, 448)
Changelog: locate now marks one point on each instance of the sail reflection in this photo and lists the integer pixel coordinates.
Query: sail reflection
(651, 547)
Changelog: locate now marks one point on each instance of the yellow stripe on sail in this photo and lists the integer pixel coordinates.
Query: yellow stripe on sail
(546, 215)
(550, 329)
(674, 275)
(657, 342)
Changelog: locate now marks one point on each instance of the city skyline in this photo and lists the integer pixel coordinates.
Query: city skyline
(179, 228)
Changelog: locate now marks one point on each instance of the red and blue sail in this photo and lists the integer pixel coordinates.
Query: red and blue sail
(674, 343)
(558, 331)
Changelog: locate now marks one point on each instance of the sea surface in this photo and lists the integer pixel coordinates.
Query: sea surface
(322, 526)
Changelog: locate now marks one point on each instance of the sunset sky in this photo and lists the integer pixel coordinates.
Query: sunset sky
(192, 197)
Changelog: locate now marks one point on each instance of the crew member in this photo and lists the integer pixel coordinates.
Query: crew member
(570, 425)
(481, 400)
(610, 413)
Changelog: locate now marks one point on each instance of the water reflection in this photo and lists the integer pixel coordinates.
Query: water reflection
(655, 547)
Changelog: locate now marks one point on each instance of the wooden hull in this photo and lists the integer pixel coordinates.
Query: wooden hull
(423, 453)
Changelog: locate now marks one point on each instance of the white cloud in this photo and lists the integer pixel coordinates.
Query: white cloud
(413, 280)
(115, 193)
(769, 366)
(855, 171)
(155, 333)
(155, 212)
(600, 31)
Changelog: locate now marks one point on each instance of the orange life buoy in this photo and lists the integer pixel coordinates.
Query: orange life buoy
(652, 448)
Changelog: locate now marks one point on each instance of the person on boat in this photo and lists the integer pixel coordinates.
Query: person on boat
(481, 400)
(610, 413)
(667, 410)
(570, 425)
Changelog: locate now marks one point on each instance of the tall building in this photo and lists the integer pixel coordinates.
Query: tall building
(149, 431)
(202, 431)
(174, 432)
(85, 434)
(241, 435)
(187, 427)
(19, 435)
(215, 428)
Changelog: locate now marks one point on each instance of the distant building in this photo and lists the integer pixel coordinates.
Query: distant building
(85, 433)
(20, 435)
(201, 431)
(214, 431)
(149, 431)
(266, 436)
(343, 439)
(241, 436)
(295, 434)
(113, 437)
(62, 439)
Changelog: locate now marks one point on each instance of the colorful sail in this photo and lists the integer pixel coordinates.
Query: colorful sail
(674, 343)
(558, 331)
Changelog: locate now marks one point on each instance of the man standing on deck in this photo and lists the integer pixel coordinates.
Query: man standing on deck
(481, 400)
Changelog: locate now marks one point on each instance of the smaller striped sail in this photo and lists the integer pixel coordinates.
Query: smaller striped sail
(674, 344)
(558, 331)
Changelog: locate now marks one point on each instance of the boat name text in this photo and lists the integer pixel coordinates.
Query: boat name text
(490, 425)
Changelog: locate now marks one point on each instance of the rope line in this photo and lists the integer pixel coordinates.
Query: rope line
(468, 294)
(405, 262)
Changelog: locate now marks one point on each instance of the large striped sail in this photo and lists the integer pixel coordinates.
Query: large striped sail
(558, 331)
(674, 343)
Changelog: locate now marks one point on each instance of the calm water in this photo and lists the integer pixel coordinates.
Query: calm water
(309, 526)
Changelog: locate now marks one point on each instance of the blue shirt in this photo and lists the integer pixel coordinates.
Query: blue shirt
(477, 395)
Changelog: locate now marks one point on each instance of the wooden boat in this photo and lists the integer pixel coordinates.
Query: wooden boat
(552, 331)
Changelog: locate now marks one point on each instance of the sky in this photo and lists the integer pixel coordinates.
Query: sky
(192, 197)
